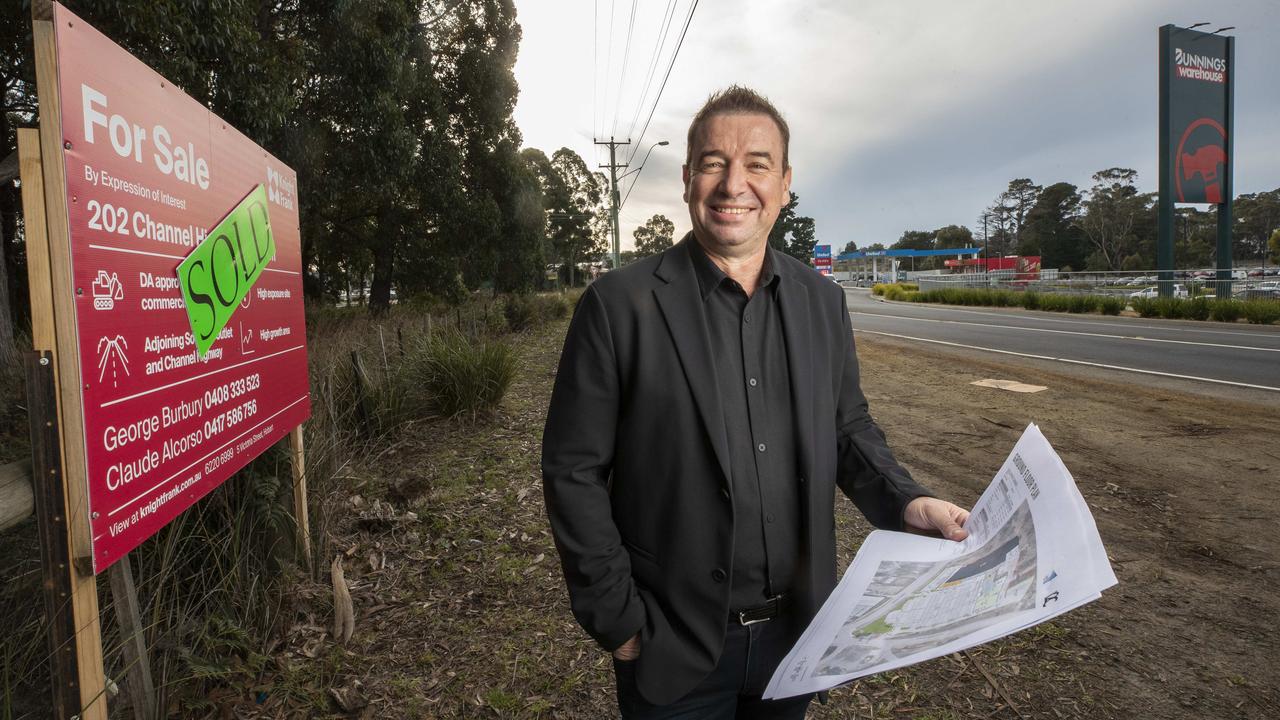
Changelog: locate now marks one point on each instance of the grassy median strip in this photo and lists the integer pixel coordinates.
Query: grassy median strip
(1255, 311)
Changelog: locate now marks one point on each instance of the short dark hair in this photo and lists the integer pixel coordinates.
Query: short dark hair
(738, 100)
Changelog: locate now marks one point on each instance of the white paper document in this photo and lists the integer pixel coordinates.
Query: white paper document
(1033, 552)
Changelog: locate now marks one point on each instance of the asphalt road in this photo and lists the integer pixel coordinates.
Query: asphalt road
(1243, 356)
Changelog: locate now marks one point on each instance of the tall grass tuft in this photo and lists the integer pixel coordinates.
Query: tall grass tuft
(459, 375)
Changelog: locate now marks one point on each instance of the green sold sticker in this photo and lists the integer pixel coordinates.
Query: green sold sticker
(222, 269)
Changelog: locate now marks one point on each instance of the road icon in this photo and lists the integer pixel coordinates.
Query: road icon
(113, 357)
(107, 289)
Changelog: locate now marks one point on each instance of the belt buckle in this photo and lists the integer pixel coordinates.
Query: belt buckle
(771, 606)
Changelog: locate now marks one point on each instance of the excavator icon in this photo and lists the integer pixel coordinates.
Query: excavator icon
(107, 289)
(1204, 162)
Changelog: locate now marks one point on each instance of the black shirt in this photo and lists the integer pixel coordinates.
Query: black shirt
(750, 359)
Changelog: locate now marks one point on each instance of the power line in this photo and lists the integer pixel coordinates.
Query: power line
(658, 98)
(622, 76)
(595, 65)
(608, 68)
(664, 29)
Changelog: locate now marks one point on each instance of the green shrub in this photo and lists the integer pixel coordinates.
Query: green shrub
(878, 288)
(459, 375)
(1225, 310)
(1031, 300)
(1081, 303)
(1168, 308)
(1196, 308)
(1061, 302)
(1053, 302)
(1145, 307)
(525, 311)
(1110, 305)
(1260, 312)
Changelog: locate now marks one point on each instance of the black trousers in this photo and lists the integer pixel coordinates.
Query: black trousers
(732, 691)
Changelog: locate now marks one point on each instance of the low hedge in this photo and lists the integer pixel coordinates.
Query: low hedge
(1257, 311)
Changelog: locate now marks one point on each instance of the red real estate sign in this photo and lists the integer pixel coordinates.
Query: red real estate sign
(149, 171)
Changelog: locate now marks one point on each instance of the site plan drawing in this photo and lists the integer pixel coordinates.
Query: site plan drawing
(1033, 552)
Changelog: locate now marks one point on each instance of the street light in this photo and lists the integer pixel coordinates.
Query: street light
(637, 170)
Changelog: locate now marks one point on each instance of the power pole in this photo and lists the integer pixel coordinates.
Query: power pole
(613, 194)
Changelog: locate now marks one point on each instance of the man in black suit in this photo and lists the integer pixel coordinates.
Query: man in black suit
(705, 409)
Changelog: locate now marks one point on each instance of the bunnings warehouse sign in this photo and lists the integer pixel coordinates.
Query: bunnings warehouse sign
(1196, 82)
(187, 375)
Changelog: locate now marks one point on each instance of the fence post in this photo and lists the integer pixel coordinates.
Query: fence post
(142, 692)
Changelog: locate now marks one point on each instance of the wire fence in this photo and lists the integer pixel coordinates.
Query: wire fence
(1265, 285)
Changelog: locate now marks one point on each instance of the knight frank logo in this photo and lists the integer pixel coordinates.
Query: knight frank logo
(1201, 160)
(1191, 66)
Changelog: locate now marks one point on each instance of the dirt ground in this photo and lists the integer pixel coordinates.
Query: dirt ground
(461, 610)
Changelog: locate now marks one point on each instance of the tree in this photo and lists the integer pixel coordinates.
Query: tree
(656, 235)
(1274, 244)
(1113, 208)
(17, 108)
(1257, 216)
(1052, 229)
(1005, 219)
(914, 240)
(1195, 237)
(573, 239)
(953, 236)
(850, 247)
(396, 114)
(792, 233)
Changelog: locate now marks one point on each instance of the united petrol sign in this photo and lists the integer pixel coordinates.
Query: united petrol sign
(185, 376)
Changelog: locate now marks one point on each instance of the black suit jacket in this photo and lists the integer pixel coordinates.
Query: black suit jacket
(635, 461)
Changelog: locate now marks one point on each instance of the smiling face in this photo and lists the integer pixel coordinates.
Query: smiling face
(736, 182)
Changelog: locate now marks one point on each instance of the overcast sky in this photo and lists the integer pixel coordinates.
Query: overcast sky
(904, 115)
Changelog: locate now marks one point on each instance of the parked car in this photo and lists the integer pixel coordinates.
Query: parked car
(1179, 291)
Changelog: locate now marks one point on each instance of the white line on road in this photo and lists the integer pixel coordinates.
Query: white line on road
(1070, 332)
(1073, 362)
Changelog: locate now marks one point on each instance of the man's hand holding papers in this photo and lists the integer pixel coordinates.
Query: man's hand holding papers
(1032, 552)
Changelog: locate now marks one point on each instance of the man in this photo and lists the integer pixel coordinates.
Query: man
(705, 409)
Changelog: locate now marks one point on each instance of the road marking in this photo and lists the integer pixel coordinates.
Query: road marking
(1099, 321)
(1074, 362)
(1071, 332)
